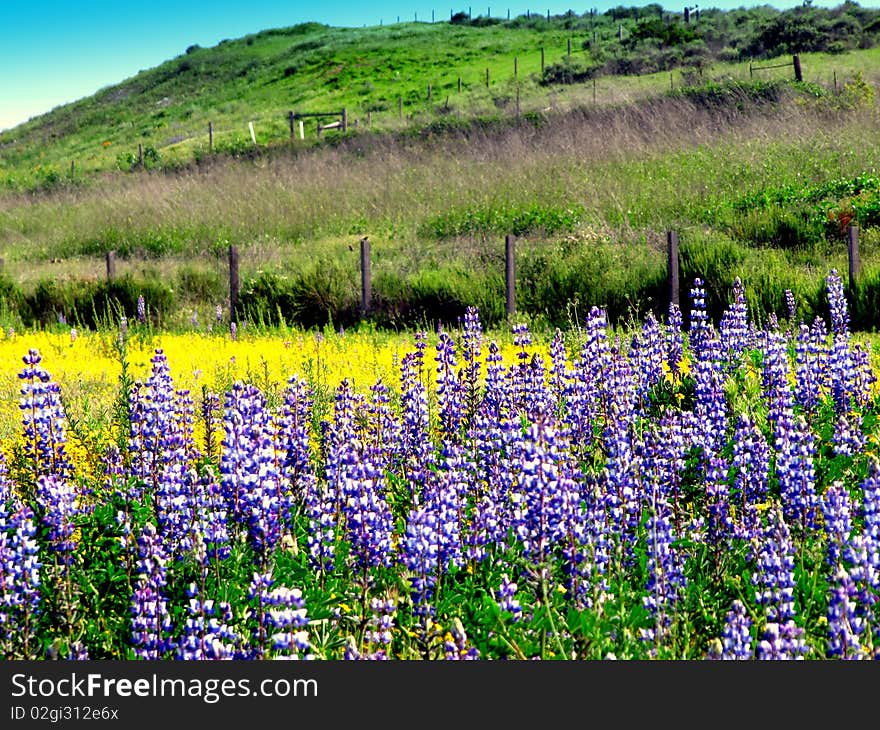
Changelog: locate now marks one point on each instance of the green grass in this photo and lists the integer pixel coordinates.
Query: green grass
(759, 176)
(311, 67)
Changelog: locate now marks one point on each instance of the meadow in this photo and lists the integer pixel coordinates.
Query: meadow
(673, 493)
(600, 475)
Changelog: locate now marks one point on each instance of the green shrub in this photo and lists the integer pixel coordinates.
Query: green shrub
(199, 284)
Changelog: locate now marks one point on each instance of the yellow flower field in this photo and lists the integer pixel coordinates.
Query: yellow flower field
(87, 366)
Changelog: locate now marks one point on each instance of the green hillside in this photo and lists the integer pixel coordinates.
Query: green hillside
(382, 75)
(673, 126)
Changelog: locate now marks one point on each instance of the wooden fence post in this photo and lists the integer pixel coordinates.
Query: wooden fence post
(510, 274)
(852, 245)
(292, 120)
(515, 67)
(72, 168)
(429, 92)
(569, 46)
(344, 119)
(672, 267)
(233, 284)
(459, 84)
(111, 265)
(140, 155)
(366, 277)
(798, 73)
(487, 78)
(210, 138)
(400, 107)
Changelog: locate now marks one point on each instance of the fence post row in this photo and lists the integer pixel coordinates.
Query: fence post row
(510, 274)
(672, 267)
(366, 277)
(233, 284)
(852, 246)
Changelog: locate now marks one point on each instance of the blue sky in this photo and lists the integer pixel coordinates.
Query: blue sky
(56, 52)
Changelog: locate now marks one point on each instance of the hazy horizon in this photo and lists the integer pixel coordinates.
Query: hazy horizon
(54, 53)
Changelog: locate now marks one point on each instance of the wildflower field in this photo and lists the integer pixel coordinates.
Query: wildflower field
(673, 491)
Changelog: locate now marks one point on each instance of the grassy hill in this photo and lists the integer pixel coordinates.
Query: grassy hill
(759, 174)
(382, 75)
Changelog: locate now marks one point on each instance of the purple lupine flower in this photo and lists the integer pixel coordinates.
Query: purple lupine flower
(211, 529)
(218, 313)
(736, 640)
(710, 407)
(782, 641)
(294, 438)
(73, 335)
(522, 338)
(837, 514)
(810, 357)
(19, 579)
(43, 420)
(206, 633)
(61, 318)
(846, 618)
(286, 619)
(665, 568)
(367, 520)
(795, 453)
(538, 501)
(647, 355)
(141, 309)
(253, 486)
(623, 496)
(751, 463)
(150, 621)
(699, 317)
(151, 415)
(495, 438)
(173, 495)
(536, 396)
(720, 526)
(507, 598)
(450, 398)
(233, 331)
(378, 636)
(416, 448)
(777, 390)
(774, 577)
(421, 557)
(863, 375)
(841, 373)
(870, 514)
(384, 428)
(837, 303)
(59, 506)
(734, 325)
